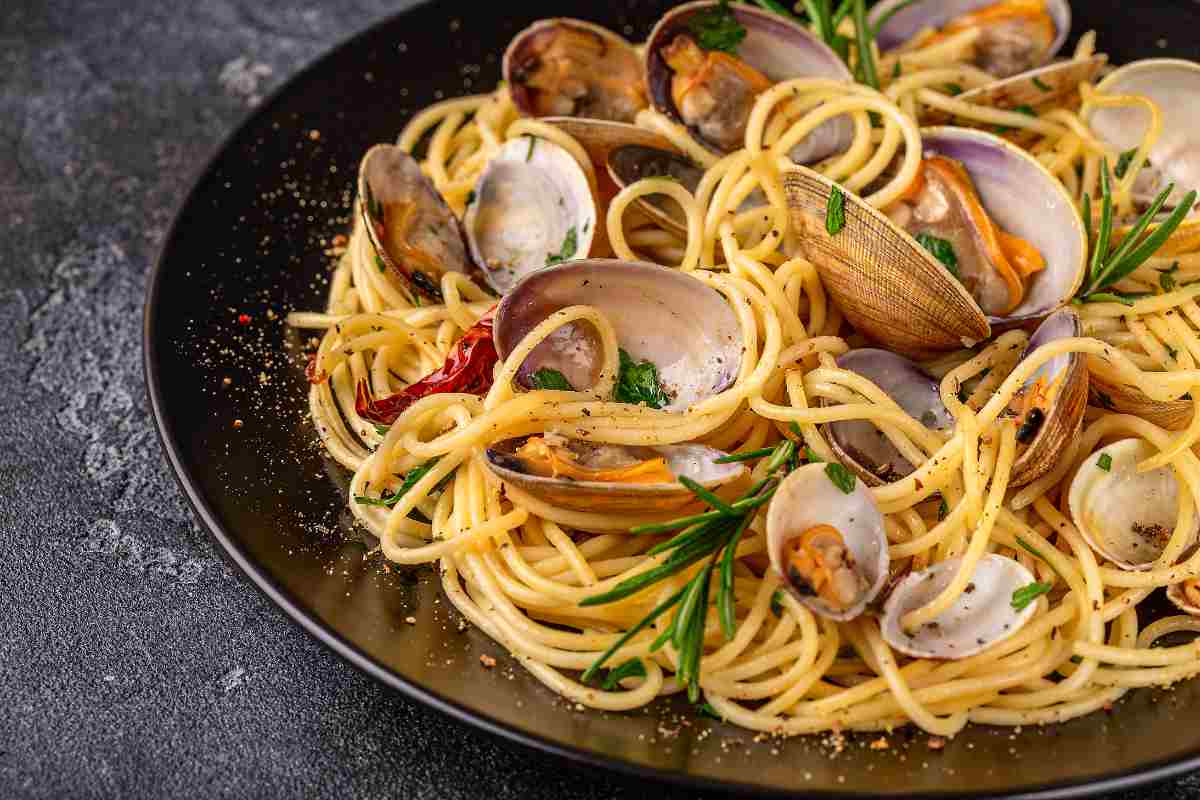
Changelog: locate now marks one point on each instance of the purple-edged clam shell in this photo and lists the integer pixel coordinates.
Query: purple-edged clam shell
(678, 323)
(861, 443)
(778, 48)
(1063, 324)
(911, 20)
(1027, 201)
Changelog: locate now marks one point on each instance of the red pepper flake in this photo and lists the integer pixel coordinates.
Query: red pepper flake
(487, 661)
(243, 319)
(936, 743)
(467, 369)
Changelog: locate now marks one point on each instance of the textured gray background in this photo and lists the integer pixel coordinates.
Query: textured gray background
(133, 661)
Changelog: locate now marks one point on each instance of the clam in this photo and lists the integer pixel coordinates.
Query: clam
(533, 207)
(712, 92)
(568, 67)
(413, 233)
(1174, 415)
(982, 616)
(1050, 406)
(1034, 88)
(1126, 516)
(989, 211)
(861, 445)
(674, 321)
(589, 476)
(829, 546)
(1186, 596)
(1015, 35)
(1173, 86)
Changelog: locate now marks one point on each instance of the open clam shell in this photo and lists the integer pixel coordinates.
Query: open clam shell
(861, 445)
(569, 67)
(533, 207)
(1126, 516)
(1173, 85)
(1063, 381)
(512, 465)
(774, 47)
(983, 615)
(1174, 415)
(1034, 88)
(894, 292)
(1185, 597)
(681, 325)
(413, 233)
(829, 547)
(913, 18)
(631, 163)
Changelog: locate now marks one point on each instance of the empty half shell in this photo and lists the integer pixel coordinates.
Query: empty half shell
(595, 477)
(1035, 88)
(413, 233)
(712, 92)
(569, 67)
(533, 207)
(983, 615)
(828, 546)
(1174, 415)
(676, 322)
(1126, 516)
(1186, 596)
(860, 444)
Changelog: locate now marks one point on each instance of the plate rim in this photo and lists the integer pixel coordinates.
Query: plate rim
(233, 551)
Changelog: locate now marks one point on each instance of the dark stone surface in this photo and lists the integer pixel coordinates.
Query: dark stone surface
(133, 661)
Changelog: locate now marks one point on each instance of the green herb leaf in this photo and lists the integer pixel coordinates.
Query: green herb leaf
(1123, 162)
(811, 456)
(638, 383)
(1104, 462)
(865, 35)
(1033, 552)
(777, 603)
(943, 510)
(953, 89)
(633, 668)
(1022, 597)
(835, 212)
(942, 250)
(896, 70)
(567, 251)
(532, 142)
(1166, 277)
(548, 378)
(747, 456)
(410, 480)
(707, 710)
(717, 28)
(382, 267)
(381, 429)
(1043, 86)
(1110, 297)
(841, 477)
(1026, 110)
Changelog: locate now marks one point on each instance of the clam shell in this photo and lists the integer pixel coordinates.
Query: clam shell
(389, 178)
(691, 460)
(858, 443)
(681, 325)
(911, 20)
(1120, 512)
(978, 619)
(531, 200)
(807, 498)
(1179, 599)
(1056, 81)
(520, 50)
(1174, 415)
(777, 47)
(1065, 419)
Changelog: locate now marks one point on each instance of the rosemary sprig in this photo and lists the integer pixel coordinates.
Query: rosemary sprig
(865, 38)
(1108, 268)
(713, 535)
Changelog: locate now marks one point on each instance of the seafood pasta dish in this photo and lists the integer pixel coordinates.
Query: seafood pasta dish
(834, 367)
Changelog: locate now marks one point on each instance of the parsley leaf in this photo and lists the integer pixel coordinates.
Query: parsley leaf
(567, 252)
(841, 477)
(1124, 161)
(942, 250)
(1043, 86)
(633, 668)
(638, 383)
(1105, 462)
(410, 480)
(549, 378)
(717, 28)
(835, 212)
(1021, 598)
(707, 710)
(943, 510)
(1026, 110)
(777, 603)
(1166, 277)
(811, 456)
(953, 89)
(381, 429)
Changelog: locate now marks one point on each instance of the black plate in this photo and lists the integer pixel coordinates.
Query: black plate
(249, 240)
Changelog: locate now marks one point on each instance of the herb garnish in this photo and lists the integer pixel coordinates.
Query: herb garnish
(1026, 110)
(841, 477)
(550, 378)
(835, 212)
(777, 603)
(382, 267)
(638, 383)
(942, 250)
(943, 509)
(712, 535)
(1104, 462)
(633, 668)
(410, 480)
(1123, 162)
(1022, 597)
(1166, 277)
(532, 142)
(567, 251)
(717, 28)
(1043, 86)
(953, 89)
(1108, 268)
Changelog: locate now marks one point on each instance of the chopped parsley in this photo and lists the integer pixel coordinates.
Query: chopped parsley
(382, 267)
(633, 668)
(567, 251)
(942, 250)
(1104, 462)
(381, 429)
(1124, 161)
(717, 28)
(410, 480)
(835, 212)
(638, 383)
(1021, 598)
(841, 477)
(1166, 277)
(1026, 110)
(550, 378)
(777, 603)
(811, 457)
(953, 89)
(1043, 86)
(943, 510)
(707, 710)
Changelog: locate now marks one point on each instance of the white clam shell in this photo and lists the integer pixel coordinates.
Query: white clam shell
(808, 498)
(1111, 506)
(1176, 596)
(528, 200)
(978, 618)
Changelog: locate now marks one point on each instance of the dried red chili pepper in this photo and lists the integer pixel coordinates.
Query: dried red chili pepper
(467, 369)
